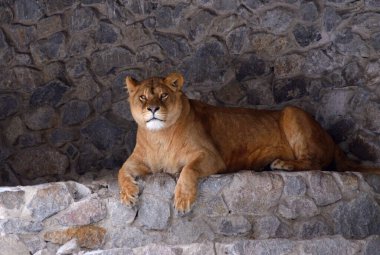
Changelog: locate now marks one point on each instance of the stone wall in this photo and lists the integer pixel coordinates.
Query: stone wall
(63, 107)
(243, 213)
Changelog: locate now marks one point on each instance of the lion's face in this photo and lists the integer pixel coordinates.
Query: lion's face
(156, 102)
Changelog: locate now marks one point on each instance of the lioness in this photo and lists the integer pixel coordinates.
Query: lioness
(179, 135)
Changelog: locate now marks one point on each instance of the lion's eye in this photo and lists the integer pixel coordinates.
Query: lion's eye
(164, 96)
(142, 98)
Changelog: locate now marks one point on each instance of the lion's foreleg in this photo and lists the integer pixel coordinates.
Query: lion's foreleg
(129, 189)
(202, 164)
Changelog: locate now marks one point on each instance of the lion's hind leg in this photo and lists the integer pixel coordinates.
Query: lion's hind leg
(312, 147)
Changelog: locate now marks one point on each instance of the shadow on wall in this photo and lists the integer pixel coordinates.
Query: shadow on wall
(64, 109)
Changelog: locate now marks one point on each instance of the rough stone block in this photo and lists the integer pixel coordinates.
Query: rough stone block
(358, 218)
(84, 212)
(104, 61)
(253, 194)
(298, 207)
(12, 245)
(277, 20)
(153, 213)
(50, 94)
(39, 161)
(266, 227)
(49, 26)
(42, 118)
(230, 225)
(75, 112)
(9, 105)
(48, 200)
(27, 11)
(52, 48)
(323, 189)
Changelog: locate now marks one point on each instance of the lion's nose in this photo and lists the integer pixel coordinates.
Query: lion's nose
(153, 108)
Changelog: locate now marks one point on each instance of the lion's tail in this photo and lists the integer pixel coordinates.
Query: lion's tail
(343, 163)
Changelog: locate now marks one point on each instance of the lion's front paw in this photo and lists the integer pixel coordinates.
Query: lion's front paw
(184, 198)
(279, 164)
(129, 191)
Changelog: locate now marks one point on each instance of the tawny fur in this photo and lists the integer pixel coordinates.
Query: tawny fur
(198, 140)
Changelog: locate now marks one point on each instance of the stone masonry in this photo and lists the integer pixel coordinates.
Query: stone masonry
(64, 109)
(243, 213)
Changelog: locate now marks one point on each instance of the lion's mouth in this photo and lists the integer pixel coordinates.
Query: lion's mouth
(154, 118)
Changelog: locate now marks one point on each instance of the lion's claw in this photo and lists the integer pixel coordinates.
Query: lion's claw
(129, 191)
(183, 199)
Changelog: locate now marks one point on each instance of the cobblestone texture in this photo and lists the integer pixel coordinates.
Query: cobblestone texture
(60, 217)
(63, 63)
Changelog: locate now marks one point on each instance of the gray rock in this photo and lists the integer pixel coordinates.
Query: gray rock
(42, 118)
(105, 61)
(230, 94)
(12, 245)
(57, 6)
(119, 214)
(50, 94)
(27, 12)
(102, 133)
(330, 19)
(33, 242)
(375, 41)
(323, 189)
(306, 35)
(86, 88)
(121, 109)
(374, 181)
(12, 199)
(297, 207)
(14, 129)
(266, 227)
(84, 212)
(312, 228)
(372, 246)
(236, 39)
(289, 89)
(29, 140)
(231, 225)
(358, 218)
(348, 183)
(52, 48)
(19, 226)
(210, 205)
(54, 71)
(330, 246)
(295, 186)
(207, 64)
(21, 36)
(6, 15)
(335, 105)
(150, 208)
(184, 231)
(80, 44)
(70, 247)
(138, 35)
(249, 67)
(162, 184)
(175, 47)
(351, 44)
(277, 20)
(251, 193)
(288, 65)
(75, 112)
(116, 251)
(49, 26)
(76, 67)
(106, 33)
(197, 25)
(157, 249)
(309, 11)
(80, 19)
(28, 78)
(130, 237)
(9, 105)
(102, 102)
(48, 200)
(39, 161)
(274, 246)
(60, 136)
(371, 111)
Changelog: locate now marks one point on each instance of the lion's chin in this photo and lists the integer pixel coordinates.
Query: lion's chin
(155, 125)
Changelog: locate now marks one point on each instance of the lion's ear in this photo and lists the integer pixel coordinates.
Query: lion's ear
(131, 84)
(174, 81)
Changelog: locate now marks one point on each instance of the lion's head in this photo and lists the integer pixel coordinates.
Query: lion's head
(156, 102)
